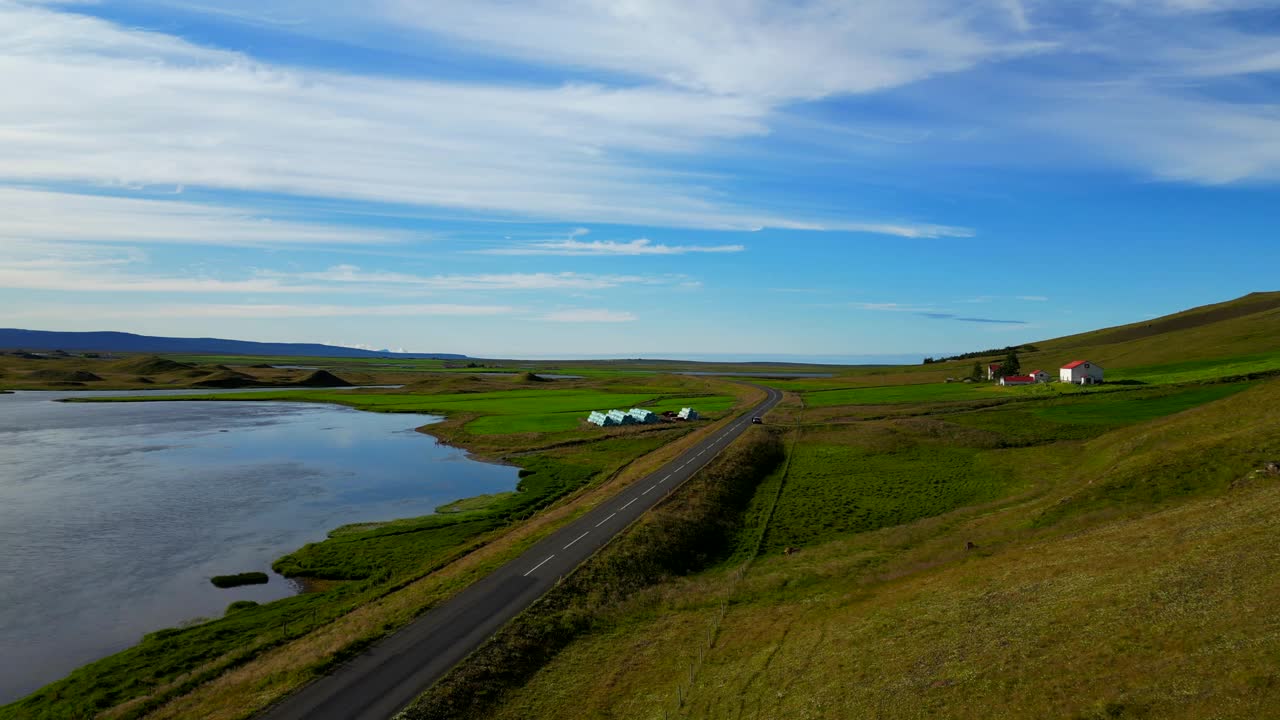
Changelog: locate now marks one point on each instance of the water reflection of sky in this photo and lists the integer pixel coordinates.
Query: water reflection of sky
(114, 516)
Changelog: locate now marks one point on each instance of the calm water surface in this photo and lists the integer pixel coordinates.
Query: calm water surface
(114, 516)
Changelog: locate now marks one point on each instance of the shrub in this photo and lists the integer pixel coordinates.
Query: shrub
(239, 605)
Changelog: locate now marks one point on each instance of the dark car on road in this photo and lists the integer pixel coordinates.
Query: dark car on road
(757, 421)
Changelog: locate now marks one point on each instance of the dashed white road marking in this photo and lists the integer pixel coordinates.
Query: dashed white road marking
(665, 479)
(571, 542)
(535, 567)
(646, 492)
(606, 520)
(624, 507)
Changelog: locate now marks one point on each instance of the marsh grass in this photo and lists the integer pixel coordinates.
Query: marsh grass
(246, 578)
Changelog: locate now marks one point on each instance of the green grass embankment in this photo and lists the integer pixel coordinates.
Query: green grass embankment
(693, 528)
(1127, 573)
(399, 546)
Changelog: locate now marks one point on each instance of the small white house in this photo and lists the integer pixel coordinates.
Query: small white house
(993, 370)
(602, 419)
(621, 418)
(642, 416)
(687, 414)
(1017, 380)
(1040, 376)
(1081, 372)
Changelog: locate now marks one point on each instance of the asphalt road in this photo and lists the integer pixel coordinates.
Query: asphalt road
(383, 680)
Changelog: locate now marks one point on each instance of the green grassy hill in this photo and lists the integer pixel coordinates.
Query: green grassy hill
(1246, 328)
(956, 551)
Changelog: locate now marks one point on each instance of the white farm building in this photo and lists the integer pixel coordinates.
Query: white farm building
(1040, 376)
(1081, 372)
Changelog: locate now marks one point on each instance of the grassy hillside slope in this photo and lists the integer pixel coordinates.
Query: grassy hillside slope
(1246, 326)
(1127, 569)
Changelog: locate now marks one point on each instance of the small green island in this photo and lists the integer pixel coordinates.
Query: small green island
(248, 578)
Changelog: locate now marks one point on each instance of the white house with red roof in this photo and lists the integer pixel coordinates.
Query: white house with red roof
(1017, 380)
(993, 370)
(1040, 376)
(1081, 372)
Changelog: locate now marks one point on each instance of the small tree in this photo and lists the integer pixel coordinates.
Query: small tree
(1011, 364)
(976, 373)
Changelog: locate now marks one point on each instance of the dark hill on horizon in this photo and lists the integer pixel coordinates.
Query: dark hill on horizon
(13, 339)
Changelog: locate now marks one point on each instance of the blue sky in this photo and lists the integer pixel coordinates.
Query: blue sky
(577, 178)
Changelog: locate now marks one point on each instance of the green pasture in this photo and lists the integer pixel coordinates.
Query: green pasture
(501, 424)
(798, 384)
(880, 474)
(1129, 408)
(894, 394)
(1086, 415)
(837, 486)
(1200, 370)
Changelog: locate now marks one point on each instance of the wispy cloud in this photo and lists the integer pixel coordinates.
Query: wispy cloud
(982, 299)
(259, 311)
(353, 275)
(752, 48)
(961, 318)
(589, 315)
(44, 215)
(203, 117)
(887, 307)
(110, 272)
(641, 246)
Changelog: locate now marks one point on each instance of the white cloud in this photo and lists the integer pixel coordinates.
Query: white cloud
(87, 101)
(589, 315)
(1033, 298)
(66, 279)
(95, 270)
(259, 311)
(748, 48)
(641, 246)
(889, 307)
(47, 216)
(1172, 136)
(352, 274)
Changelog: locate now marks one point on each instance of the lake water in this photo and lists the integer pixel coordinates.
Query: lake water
(113, 517)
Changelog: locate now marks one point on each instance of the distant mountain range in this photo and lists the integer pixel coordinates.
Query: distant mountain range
(13, 339)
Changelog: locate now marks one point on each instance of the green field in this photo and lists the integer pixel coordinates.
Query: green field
(894, 394)
(840, 484)
(1201, 370)
(943, 573)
